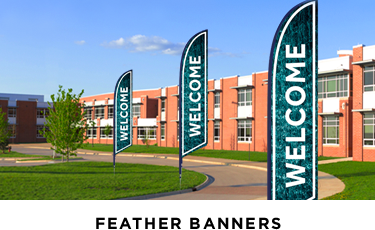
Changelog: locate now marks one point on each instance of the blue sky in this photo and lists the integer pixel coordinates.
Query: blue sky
(89, 44)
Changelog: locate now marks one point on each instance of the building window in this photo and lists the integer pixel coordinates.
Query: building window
(91, 132)
(149, 132)
(244, 97)
(12, 130)
(136, 110)
(40, 128)
(88, 114)
(333, 86)
(102, 135)
(369, 129)
(331, 130)
(369, 78)
(99, 112)
(163, 105)
(217, 99)
(42, 113)
(110, 111)
(217, 131)
(244, 130)
(12, 112)
(162, 131)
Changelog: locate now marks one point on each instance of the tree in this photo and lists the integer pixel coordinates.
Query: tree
(4, 131)
(146, 139)
(13, 132)
(92, 125)
(66, 123)
(107, 131)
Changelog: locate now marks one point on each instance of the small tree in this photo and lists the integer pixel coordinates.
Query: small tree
(13, 132)
(92, 125)
(107, 131)
(4, 131)
(146, 139)
(66, 123)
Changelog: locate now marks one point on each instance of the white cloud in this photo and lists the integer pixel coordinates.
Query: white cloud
(154, 44)
(142, 43)
(82, 42)
(214, 52)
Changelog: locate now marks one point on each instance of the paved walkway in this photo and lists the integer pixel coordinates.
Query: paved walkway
(328, 185)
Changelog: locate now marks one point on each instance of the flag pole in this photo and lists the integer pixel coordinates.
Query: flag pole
(114, 137)
(114, 163)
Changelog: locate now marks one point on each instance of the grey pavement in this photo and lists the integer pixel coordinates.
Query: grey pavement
(232, 179)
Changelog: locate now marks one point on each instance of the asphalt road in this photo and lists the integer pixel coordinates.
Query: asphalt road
(229, 183)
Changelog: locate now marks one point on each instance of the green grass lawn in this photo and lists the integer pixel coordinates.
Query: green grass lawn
(17, 154)
(358, 177)
(14, 154)
(225, 154)
(91, 180)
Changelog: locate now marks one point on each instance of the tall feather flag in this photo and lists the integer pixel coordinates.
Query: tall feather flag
(293, 106)
(123, 114)
(193, 96)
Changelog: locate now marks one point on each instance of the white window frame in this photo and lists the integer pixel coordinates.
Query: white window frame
(242, 97)
(42, 113)
(367, 87)
(99, 112)
(244, 124)
(217, 127)
(162, 128)
(10, 129)
(14, 114)
(145, 130)
(40, 127)
(331, 123)
(340, 86)
(103, 136)
(88, 116)
(90, 131)
(162, 105)
(369, 120)
(110, 111)
(217, 99)
(138, 113)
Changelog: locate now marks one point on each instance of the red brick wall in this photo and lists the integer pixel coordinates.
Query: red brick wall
(210, 115)
(229, 105)
(260, 112)
(357, 104)
(171, 114)
(26, 120)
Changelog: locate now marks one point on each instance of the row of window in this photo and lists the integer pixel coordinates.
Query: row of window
(40, 113)
(338, 85)
(12, 130)
(331, 131)
(244, 132)
(99, 111)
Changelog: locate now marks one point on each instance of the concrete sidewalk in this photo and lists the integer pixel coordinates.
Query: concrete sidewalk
(328, 185)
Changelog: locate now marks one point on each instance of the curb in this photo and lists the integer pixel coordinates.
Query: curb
(191, 160)
(16, 158)
(207, 182)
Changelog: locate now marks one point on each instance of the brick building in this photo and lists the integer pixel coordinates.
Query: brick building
(237, 110)
(26, 115)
